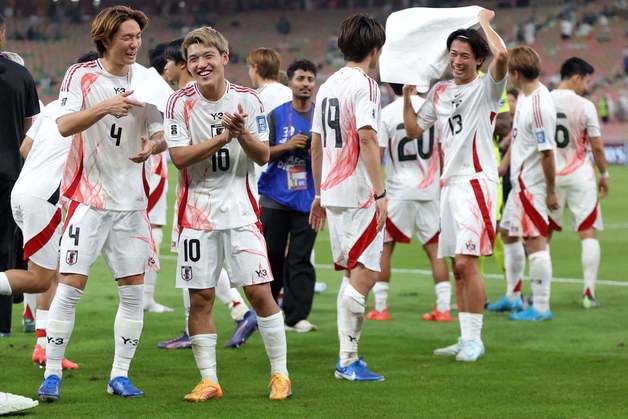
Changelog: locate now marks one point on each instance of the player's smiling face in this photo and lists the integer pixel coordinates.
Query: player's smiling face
(125, 43)
(206, 64)
(462, 62)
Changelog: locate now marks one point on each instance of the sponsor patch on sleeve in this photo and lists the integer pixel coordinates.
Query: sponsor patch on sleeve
(540, 137)
(262, 126)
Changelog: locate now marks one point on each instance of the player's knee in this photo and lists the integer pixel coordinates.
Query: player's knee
(464, 267)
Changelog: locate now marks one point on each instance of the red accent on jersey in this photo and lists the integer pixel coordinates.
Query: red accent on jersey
(536, 108)
(65, 84)
(183, 197)
(395, 233)
(40, 240)
(153, 197)
(145, 180)
(531, 212)
(68, 216)
(476, 159)
(492, 116)
(489, 231)
(252, 199)
(86, 83)
(588, 222)
(71, 190)
(349, 156)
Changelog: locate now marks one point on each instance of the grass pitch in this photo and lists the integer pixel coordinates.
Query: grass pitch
(573, 366)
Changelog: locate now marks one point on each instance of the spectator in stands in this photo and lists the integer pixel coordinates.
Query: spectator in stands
(529, 31)
(18, 105)
(602, 109)
(286, 190)
(566, 26)
(283, 26)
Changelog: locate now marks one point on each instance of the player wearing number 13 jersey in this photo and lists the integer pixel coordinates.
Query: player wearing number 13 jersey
(216, 131)
(412, 177)
(578, 135)
(465, 108)
(104, 181)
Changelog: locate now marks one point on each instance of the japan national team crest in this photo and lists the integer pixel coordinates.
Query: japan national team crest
(186, 273)
(71, 257)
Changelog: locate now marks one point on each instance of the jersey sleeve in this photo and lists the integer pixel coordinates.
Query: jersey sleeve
(154, 120)
(33, 131)
(367, 105)
(176, 131)
(256, 122)
(317, 119)
(71, 94)
(426, 115)
(544, 122)
(494, 91)
(382, 133)
(592, 121)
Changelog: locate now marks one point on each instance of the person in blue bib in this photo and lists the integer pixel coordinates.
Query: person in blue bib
(286, 191)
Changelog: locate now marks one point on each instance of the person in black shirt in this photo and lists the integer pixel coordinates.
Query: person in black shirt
(18, 105)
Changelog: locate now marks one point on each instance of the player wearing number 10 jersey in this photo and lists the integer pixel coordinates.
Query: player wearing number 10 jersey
(216, 132)
(104, 181)
(465, 108)
(578, 135)
(412, 177)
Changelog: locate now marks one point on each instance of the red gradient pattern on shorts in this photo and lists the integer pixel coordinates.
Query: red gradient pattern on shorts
(531, 213)
(553, 225)
(40, 239)
(362, 243)
(343, 164)
(152, 261)
(255, 230)
(71, 209)
(588, 222)
(487, 237)
(154, 196)
(434, 239)
(395, 233)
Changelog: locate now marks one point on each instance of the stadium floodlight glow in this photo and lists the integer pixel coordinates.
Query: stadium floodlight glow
(181, 4)
(96, 3)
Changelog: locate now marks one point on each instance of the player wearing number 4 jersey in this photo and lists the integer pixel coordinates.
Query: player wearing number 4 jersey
(348, 182)
(104, 181)
(577, 135)
(216, 132)
(465, 108)
(412, 174)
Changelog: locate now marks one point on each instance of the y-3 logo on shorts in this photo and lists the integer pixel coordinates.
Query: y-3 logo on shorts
(71, 257)
(261, 273)
(55, 341)
(186, 273)
(130, 341)
(470, 246)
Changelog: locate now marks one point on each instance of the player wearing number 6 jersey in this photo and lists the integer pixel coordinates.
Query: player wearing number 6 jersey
(578, 135)
(465, 108)
(348, 183)
(105, 184)
(216, 132)
(412, 173)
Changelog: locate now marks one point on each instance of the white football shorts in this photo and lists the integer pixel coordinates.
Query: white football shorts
(407, 218)
(525, 213)
(578, 192)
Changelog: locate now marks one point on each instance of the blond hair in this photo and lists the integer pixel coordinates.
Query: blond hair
(526, 61)
(205, 35)
(266, 62)
(108, 21)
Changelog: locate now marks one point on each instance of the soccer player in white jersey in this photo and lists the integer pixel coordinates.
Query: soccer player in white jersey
(216, 132)
(348, 182)
(464, 110)
(532, 175)
(578, 135)
(37, 211)
(263, 64)
(412, 176)
(105, 184)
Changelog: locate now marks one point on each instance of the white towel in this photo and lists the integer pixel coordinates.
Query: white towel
(149, 87)
(415, 51)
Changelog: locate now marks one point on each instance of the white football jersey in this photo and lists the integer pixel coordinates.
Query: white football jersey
(346, 102)
(576, 124)
(217, 193)
(273, 95)
(466, 121)
(533, 130)
(413, 165)
(157, 174)
(98, 172)
(41, 175)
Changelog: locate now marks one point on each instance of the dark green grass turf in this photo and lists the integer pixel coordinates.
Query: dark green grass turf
(573, 366)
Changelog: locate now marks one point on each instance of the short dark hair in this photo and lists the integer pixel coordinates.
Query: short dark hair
(478, 44)
(173, 51)
(88, 56)
(156, 57)
(359, 35)
(514, 92)
(305, 65)
(397, 88)
(575, 66)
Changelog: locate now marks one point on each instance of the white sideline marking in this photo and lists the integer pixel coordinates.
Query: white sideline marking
(425, 272)
(620, 226)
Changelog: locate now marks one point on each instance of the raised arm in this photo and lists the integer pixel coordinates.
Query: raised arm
(413, 130)
(499, 65)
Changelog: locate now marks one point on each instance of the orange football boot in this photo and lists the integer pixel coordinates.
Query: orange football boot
(379, 315)
(438, 316)
(39, 358)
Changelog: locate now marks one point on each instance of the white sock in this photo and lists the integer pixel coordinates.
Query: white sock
(443, 295)
(204, 350)
(380, 291)
(186, 307)
(471, 326)
(150, 281)
(541, 279)
(590, 264)
(41, 323)
(353, 305)
(273, 334)
(30, 305)
(5, 287)
(127, 328)
(515, 264)
(60, 326)
(230, 297)
(339, 312)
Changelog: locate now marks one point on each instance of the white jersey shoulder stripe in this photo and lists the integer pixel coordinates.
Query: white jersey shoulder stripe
(65, 85)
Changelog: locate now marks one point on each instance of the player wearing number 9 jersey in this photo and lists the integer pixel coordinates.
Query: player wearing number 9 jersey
(465, 109)
(216, 131)
(104, 181)
(412, 174)
(578, 135)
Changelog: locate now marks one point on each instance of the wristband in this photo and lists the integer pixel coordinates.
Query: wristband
(604, 175)
(317, 197)
(378, 197)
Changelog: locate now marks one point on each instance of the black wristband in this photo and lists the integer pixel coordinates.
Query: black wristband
(377, 197)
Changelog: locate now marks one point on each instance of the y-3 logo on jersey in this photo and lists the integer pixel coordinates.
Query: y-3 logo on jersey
(216, 115)
(119, 90)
